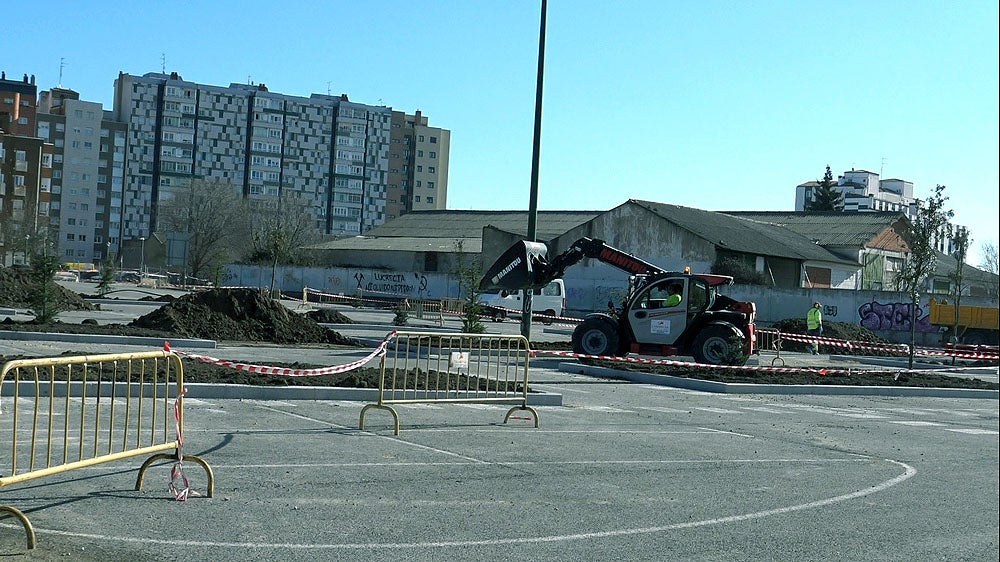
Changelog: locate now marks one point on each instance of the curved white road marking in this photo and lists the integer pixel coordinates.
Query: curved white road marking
(908, 472)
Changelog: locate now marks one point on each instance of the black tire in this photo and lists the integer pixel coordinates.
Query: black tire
(713, 347)
(499, 315)
(596, 337)
(548, 321)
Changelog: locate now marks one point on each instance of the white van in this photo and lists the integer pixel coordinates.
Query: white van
(550, 301)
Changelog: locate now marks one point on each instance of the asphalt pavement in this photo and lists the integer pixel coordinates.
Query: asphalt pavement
(619, 470)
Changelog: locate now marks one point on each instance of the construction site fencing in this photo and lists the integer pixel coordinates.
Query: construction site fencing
(422, 309)
(452, 368)
(65, 413)
(769, 341)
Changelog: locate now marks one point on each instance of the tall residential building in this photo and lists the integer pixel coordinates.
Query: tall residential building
(863, 191)
(328, 153)
(17, 105)
(418, 165)
(87, 175)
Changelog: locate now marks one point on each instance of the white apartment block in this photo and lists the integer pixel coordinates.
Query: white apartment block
(863, 191)
(324, 150)
(88, 166)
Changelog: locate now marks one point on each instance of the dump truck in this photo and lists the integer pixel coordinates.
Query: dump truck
(702, 323)
(977, 325)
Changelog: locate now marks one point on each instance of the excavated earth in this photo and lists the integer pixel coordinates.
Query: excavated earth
(247, 315)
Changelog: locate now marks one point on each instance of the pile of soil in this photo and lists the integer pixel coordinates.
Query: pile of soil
(15, 290)
(328, 316)
(237, 315)
(832, 330)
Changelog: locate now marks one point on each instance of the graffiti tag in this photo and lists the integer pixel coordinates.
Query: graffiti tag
(893, 316)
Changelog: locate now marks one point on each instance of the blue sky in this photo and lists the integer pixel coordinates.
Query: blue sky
(715, 105)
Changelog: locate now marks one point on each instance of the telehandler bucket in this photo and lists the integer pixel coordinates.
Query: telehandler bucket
(522, 266)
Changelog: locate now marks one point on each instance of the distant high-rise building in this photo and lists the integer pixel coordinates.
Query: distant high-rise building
(87, 175)
(863, 191)
(330, 154)
(418, 165)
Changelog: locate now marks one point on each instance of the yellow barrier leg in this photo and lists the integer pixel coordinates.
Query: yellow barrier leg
(28, 529)
(209, 475)
(534, 414)
(395, 416)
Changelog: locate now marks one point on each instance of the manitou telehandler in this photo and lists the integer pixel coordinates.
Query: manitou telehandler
(712, 328)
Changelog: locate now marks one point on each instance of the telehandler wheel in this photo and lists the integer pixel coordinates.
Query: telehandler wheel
(595, 337)
(713, 346)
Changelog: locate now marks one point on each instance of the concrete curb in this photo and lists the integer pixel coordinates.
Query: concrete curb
(107, 339)
(747, 388)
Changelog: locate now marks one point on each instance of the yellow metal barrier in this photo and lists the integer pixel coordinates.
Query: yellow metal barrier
(453, 368)
(770, 340)
(65, 413)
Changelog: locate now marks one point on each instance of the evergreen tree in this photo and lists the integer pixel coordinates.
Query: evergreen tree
(826, 197)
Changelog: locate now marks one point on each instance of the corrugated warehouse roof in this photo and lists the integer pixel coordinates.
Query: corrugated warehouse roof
(404, 244)
(828, 228)
(742, 235)
(469, 224)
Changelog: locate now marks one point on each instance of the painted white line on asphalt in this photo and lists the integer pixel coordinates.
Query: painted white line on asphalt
(764, 409)
(975, 431)
(716, 410)
(917, 423)
(664, 410)
(908, 472)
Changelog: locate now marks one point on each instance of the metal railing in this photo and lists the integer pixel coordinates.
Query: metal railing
(769, 341)
(66, 413)
(452, 368)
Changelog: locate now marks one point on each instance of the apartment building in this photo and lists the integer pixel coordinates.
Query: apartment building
(418, 165)
(331, 155)
(88, 167)
(25, 173)
(864, 192)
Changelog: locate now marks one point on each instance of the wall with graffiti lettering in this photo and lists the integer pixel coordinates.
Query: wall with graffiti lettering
(345, 280)
(894, 316)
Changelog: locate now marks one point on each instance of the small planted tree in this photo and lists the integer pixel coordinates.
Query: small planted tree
(928, 224)
(42, 290)
(957, 277)
(107, 276)
(468, 274)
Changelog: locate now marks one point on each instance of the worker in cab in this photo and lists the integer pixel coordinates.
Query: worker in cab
(673, 295)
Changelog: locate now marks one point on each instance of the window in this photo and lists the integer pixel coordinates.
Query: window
(430, 199)
(430, 184)
(434, 140)
(434, 154)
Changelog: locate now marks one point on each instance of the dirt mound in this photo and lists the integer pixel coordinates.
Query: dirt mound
(833, 330)
(15, 290)
(328, 316)
(237, 315)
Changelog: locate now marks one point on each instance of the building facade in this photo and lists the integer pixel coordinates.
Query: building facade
(88, 167)
(333, 156)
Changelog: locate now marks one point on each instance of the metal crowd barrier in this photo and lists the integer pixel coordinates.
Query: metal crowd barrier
(65, 413)
(452, 368)
(770, 341)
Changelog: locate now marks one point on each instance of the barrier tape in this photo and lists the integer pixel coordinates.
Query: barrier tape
(568, 320)
(285, 371)
(674, 363)
(901, 348)
(179, 485)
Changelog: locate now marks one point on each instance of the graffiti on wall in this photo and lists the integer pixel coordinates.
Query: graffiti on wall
(893, 316)
(391, 282)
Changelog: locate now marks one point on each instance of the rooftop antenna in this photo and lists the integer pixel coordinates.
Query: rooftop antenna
(882, 167)
(62, 64)
(163, 63)
(328, 87)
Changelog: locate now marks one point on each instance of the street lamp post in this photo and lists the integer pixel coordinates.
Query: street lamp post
(142, 257)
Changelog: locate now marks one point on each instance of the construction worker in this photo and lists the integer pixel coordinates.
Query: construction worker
(674, 297)
(814, 324)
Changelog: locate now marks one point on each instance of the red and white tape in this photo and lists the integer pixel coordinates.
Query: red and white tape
(284, 371)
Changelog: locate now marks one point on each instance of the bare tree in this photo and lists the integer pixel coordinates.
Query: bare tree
(276, 230)
(929, 223)
(989, 259)
(209, 211)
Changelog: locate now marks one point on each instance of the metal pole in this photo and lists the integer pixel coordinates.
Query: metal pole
(536, 147)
